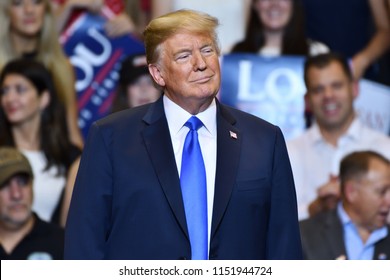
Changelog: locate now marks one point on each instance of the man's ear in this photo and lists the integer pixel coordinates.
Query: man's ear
(350, 190)
(156, 74)
(355, 89)
(44, 100)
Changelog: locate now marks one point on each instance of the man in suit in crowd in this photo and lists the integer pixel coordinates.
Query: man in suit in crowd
(357, 228)
(131, 199)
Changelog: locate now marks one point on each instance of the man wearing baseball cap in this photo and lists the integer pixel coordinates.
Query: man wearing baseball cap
(23, 234)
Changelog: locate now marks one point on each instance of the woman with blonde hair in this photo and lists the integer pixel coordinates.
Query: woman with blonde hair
(28, 29)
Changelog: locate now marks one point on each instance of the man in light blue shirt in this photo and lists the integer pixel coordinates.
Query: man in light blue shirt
(357, 229)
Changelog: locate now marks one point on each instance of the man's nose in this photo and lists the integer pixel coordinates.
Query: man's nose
(199, 61)
(328, 92)
(16, 190)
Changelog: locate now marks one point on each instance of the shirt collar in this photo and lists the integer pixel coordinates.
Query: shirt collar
(344, 218)
(177, 116)
(352, 133)
(376, 235)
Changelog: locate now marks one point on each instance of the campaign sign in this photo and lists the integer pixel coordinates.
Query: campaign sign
(372, 105)
(97, 60)
(270, 88)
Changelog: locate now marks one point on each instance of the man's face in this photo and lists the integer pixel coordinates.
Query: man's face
(331, 94)
(15, 201)
(188, 70)
(370, 200)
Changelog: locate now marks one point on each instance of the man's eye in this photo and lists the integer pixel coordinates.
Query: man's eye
(183, 56)
(316, 90)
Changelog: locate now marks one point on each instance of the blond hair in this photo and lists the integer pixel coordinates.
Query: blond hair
(161, 28)
(50, 53)
(49, 50)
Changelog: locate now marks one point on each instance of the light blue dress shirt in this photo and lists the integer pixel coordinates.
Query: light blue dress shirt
(356, 249)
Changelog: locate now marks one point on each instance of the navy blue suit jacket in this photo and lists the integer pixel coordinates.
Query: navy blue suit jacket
(127, 202)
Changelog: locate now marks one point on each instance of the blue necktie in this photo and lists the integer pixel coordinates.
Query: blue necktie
(193, 187)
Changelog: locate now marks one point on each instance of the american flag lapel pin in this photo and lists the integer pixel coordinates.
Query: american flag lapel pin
(382, 256)
(233, 135)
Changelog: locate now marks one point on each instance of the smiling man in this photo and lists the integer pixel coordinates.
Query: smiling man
(185, 177)
(316, 154)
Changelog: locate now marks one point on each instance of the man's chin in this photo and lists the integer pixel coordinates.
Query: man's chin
(16, 221)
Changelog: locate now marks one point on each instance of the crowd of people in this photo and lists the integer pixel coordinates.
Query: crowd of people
(322, 195)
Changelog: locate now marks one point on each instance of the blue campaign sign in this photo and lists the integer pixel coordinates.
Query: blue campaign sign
(270, 88)
(97, 60)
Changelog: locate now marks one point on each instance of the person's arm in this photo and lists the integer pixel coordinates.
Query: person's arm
(72, 122)
(71, 178)
(71, 108)
(161, 7)
(247, 6)
(378, 44)
(328, 196)
(120, 25)
(62, 12)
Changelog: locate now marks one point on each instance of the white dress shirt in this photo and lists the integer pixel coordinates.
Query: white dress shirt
(177, 117)
(313, 160)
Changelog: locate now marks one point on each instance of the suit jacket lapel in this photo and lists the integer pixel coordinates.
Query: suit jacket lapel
(159, 146)
(382, 248)
(228, 150)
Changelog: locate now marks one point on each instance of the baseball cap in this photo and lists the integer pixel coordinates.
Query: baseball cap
(133, 67)
(13, 162)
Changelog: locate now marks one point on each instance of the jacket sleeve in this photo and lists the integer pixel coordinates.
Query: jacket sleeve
(283, 240)
(87, 226)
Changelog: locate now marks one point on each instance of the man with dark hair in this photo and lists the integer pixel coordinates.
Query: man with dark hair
(23, 234)
(357, 228)
(315, 155)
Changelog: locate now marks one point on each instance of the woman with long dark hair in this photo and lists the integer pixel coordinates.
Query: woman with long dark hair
(33, 120)
(276, 27)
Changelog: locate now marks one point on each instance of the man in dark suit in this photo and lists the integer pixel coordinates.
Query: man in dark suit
(129, 201)
(357, 228)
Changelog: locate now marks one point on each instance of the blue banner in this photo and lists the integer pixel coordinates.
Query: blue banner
(97, 60)
(270, 88)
